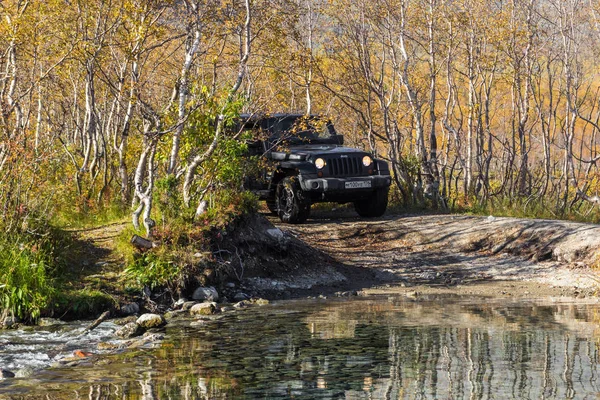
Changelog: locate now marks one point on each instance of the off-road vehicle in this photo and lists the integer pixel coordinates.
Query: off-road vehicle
(307, 163)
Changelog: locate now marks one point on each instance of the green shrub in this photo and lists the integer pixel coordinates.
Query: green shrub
(29, 266)
(153, 270)
(86, 303)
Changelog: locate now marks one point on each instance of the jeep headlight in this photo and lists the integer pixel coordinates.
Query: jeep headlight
(320, 163)
(367, 161)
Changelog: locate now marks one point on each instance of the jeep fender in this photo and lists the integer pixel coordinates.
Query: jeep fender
(291, 168)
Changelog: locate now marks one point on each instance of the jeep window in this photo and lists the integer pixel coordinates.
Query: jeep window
(306, 129)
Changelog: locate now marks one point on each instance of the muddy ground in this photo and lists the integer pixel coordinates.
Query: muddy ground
(335, 251)
(425, 254)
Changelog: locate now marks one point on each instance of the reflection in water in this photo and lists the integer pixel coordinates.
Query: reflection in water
(377, 348)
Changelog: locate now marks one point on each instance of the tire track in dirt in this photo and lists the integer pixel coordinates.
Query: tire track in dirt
(452, 252)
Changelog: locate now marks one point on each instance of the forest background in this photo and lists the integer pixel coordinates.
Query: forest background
(115, 107)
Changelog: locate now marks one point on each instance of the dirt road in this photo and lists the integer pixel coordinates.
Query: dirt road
(458, 254)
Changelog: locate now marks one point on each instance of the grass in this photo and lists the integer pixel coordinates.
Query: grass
(90, 217)
(30, 267)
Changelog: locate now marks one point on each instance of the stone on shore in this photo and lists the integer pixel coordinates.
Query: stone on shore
(25, 372)
(240, 296)
(129, 330)
(242, 304)
(204, 309)
(208, 293)
(4, 374)
(148, 321)
(130, 309)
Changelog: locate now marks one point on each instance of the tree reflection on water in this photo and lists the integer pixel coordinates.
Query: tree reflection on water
(380, 348)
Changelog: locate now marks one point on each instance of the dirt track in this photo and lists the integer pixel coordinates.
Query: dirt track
(459, 254)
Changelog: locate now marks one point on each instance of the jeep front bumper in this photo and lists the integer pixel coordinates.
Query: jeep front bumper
(315, 184)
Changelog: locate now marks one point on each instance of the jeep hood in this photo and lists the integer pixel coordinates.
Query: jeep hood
(323, 149)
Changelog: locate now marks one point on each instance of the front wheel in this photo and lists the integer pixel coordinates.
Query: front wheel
(373, 206)
(293, 205)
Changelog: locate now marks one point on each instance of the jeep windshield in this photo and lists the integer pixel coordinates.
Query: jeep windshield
(302, 130)
(291, 129)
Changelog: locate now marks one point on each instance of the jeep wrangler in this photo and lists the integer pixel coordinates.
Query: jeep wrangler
(307, 163)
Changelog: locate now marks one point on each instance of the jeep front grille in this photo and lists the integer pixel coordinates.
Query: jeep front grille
(345, 166)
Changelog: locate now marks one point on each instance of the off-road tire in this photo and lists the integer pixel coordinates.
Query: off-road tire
(293, 205)
(374, 206)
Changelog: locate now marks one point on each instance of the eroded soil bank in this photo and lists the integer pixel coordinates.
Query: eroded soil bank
(441, 254)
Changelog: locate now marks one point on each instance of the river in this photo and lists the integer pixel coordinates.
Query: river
(375, 347)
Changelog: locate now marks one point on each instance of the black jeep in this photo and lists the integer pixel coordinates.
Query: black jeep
(307, 163)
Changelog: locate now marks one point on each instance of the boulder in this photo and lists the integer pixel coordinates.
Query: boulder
(180, 302)
(242, 304)
(25, 372)
(129, 330)
(130, 309)
(261, 302)
(4, 374)
(204, 309)
(208, 293)
(151, 321)
(8, 322)
(49, 322)
(239, 296)
(108, 346)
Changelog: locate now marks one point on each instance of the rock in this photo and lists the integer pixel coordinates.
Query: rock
(239, 296)
(25, 372)
(108, 346)
(242, 304)
(129, 330)
(188, 304)
(4, 374)
(206, 293)
(49, 322)
(151, 321)
(347, 294)
(179, 303)
(276, 233)
(130, 309)
(204, 309)
(226, 309)
(8, 322)
(230, 285)
(262, 302)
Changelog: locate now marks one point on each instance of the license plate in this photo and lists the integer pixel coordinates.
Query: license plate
(358, 184)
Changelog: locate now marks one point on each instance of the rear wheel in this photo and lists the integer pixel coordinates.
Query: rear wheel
(373, 206)
(293, 205)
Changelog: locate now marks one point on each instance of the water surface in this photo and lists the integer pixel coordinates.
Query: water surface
(363, 348)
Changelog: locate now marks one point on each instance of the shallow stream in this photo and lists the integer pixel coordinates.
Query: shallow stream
(382, 347)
